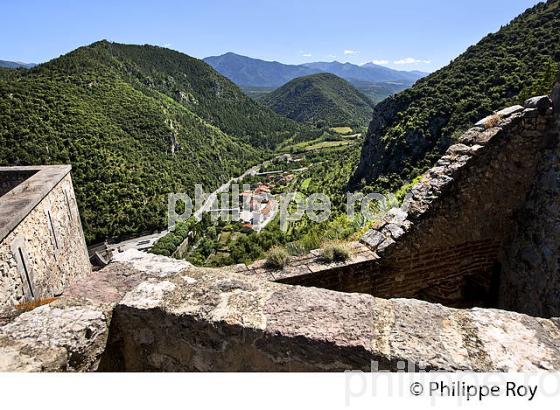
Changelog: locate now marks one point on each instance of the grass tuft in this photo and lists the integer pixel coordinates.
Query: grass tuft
(492, 121)
(336, 251)
(276, 258)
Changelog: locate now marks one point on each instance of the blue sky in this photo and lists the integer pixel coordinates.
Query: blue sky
(403, 34)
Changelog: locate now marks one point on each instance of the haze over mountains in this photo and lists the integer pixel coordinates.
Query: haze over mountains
(367, 72)
(376, 81)
(15, 64)
(252, 72)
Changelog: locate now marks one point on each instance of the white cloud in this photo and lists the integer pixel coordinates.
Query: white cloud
(167, 45)
(380, 62)
(306, 55)
(410, 60)
(331, 56)
(350, 52)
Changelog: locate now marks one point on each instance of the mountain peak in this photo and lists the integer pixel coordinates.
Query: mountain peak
(252, 72)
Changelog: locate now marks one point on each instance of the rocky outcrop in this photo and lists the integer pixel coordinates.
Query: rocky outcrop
(373, 148)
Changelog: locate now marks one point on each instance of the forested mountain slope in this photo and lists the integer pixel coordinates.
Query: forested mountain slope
(187, 80)
(411, 130)
(321, 99)
(135, 122)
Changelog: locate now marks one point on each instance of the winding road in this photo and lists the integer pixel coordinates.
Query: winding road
(147, 241)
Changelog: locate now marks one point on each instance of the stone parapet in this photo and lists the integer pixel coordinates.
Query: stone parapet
(42, 246)
(210, 321)
(447, 241)
(160, 315)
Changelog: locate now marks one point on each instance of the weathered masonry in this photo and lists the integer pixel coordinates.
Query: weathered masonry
(42, 246)
(452, 240)
(480, 229)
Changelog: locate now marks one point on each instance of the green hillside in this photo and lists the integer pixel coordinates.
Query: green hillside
(135, 122)
(188, 81)
(412, 129)
(320, 99)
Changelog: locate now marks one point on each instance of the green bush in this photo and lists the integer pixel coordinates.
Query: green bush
(168, 244)
(276, 258)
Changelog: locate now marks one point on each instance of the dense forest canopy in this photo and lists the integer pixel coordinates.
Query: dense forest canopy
(412, 129)
(321, 99)
(135, 122)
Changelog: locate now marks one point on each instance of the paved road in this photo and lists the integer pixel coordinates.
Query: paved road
(147, 241)
(140, 243)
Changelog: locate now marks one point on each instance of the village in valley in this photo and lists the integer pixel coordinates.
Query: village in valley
(239, 220)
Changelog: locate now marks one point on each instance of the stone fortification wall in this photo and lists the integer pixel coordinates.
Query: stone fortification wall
(42, 247)
(451, 240)
(150, 313)
(530, 281)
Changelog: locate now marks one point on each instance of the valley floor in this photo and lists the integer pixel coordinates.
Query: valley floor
(303, 167)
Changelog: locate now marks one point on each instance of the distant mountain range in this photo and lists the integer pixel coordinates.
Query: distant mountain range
(251, 74)
(321, 99)
(15, 64)
(368, 72)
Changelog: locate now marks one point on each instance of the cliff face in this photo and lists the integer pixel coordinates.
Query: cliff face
(382, 156)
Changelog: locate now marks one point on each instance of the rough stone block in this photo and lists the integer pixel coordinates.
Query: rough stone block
(256, 325)
(66, 335)
(541, 103)
(506, 112)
